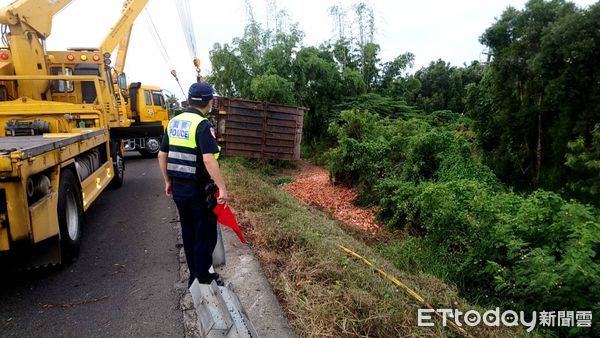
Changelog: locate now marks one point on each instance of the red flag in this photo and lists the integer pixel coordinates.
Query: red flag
(225, 216)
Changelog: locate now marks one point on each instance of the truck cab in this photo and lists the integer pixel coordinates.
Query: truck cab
(147, 109)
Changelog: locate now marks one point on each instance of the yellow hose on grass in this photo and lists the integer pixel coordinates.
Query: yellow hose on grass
(408, 290)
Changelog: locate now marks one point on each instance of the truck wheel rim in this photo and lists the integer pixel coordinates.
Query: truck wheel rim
(72, 216)
(152, 145)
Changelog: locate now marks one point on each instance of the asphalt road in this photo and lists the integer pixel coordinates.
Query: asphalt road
(122, 284)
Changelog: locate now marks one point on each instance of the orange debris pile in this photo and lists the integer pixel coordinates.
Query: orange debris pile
(312, 186)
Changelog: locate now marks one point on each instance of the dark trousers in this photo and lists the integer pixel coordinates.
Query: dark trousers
(198, 230)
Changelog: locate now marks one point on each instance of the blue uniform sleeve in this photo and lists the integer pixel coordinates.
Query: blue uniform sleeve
(206, 140)
(164, 145)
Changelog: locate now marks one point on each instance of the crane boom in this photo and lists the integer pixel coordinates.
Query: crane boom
(36, 15)
(123, 45)
(120, 32)
(30, 22)
(122, 53)
(119, 36)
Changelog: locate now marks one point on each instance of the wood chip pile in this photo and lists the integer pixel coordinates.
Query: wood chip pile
(312, 186)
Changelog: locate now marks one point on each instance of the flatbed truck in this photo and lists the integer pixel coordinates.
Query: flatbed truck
(58, 151)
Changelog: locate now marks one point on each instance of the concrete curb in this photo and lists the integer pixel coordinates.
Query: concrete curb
(253, 288)
(254, 291)
(186, 303)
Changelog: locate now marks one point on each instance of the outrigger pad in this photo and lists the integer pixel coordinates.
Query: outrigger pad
(220, 313)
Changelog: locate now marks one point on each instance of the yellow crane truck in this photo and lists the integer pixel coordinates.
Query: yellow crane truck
(58, 151)
(149, 116)
(144, 106)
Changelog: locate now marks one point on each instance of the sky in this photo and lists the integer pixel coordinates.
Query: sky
(430, 29)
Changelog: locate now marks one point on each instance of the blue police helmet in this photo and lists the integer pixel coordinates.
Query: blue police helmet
(200, 92)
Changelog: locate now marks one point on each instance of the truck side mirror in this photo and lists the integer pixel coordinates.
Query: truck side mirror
(122, 81)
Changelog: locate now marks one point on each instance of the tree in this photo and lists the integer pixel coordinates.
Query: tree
(272, 88)
(344, 55)
(357, 51)
(442, 86)
(258, 52)
(229, 74)
(338, 14)
(391, 72)
(317, 84)
(370, 64)
(365, 19)
(279, 57)
(584, 160)
(541, 84)
(353, 83)
(173, 106)
(568, 59)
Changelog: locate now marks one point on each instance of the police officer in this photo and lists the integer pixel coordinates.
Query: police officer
(188, 162)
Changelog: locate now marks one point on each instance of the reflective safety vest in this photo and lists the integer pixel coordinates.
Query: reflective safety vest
(183, 155)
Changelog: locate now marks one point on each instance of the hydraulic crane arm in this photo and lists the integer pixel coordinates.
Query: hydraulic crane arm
(30, 23)
(122, 53)
(30, 15)
(119, 34)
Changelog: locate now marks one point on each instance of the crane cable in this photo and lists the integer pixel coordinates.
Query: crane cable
(161, 47)
(156, 37)
(185, 18)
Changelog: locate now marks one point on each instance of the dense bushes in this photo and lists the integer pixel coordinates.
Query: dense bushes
(531, 252)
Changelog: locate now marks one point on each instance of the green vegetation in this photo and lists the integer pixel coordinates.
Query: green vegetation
(541, 92)
(323, 291)
(493, 169)
(524, 252)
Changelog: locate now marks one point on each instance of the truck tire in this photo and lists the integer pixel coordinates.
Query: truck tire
(118, 166)
(70, 215)
(147, 154)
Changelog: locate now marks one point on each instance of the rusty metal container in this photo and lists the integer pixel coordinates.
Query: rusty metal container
(259, 129)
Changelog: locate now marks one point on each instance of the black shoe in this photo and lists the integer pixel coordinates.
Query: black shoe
(213, 276)
(210, 279)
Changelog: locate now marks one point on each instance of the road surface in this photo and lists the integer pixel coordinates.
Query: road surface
(122, 284)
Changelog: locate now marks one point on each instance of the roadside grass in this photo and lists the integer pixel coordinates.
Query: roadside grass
(323, 291)
(283, 180)
(413, 255)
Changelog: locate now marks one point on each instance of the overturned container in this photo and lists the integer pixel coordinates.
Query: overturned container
(258, 129)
